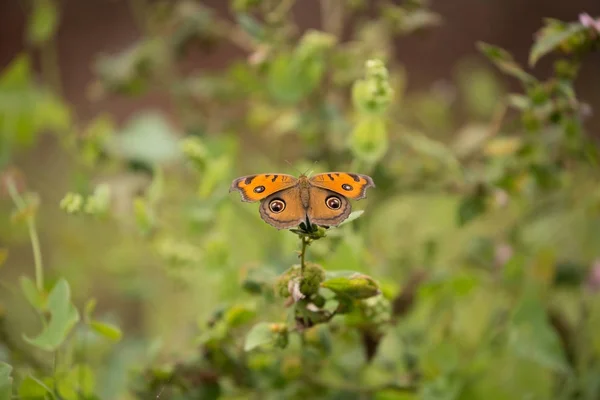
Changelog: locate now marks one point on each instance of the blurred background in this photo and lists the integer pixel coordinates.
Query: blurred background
(429, 58)
(129, 119)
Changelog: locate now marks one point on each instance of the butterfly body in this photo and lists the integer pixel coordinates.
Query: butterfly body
(304, 187)
(286, 201)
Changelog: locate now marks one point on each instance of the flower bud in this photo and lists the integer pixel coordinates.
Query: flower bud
(357, 286)
(72, 203)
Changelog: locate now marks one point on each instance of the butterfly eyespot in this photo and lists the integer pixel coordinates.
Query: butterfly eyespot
(347, 187)
(277, 206)
(333, 202)
(259, 189)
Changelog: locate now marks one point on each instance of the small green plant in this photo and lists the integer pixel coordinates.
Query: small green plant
(64, 330)
(474, 273)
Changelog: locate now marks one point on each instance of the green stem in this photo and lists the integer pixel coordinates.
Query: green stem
(302, 254)
(33, 234)
(37, 253)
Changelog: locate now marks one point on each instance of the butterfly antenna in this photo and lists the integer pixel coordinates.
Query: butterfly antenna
(296, 169)
(310, 168)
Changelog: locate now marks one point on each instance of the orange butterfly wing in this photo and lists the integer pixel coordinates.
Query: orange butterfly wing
(352, 186)
(258, 187)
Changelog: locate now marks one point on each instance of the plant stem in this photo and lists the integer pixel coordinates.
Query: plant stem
(302, 254)
(33, 234)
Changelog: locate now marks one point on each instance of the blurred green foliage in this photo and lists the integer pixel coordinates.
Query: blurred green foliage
(473, 273)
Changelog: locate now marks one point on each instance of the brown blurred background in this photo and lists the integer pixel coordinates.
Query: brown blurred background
(90, 27)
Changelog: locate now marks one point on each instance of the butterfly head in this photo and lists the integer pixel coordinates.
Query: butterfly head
(305, 174)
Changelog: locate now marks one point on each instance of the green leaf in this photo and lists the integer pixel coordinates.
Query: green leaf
(313, 44)
(52, 113)
(107, 330)
(251, 26)
(457, 285)
(6, 381)
(17, 74)
(94, 137)
(239, 315)
(144, 217)
(217, 170)
(26, 109)
(369, 140)
(79, 380)
(480, 90)
(33, 296)
(100, 200)
(505, 62)
(532, 337)
(551, 40)
(129, 71)
(259, 280)
(42, 22)
(32, 388)
(64, 316)
(463, 284)
(89, 308)
(357, 286)
(148, 138)
(340, 274)
(353, 216)
(470, 208)
(434, 149)
(290, 78)
(260, 334)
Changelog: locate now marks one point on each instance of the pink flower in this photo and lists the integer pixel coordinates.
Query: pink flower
(586, 20)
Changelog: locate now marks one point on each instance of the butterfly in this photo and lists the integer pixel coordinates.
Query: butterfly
(286, 201)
